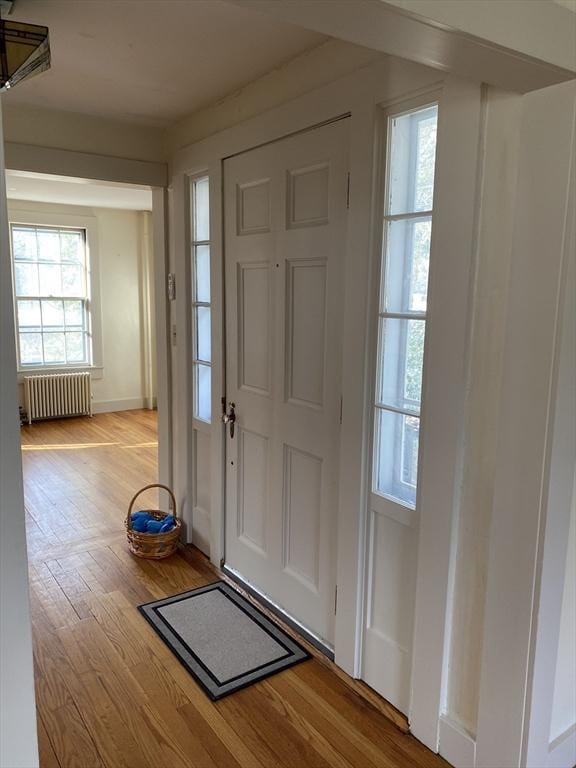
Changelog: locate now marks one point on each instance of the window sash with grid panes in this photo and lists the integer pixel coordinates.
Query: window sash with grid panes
(408, 214)
(201, 299)
(51, 296)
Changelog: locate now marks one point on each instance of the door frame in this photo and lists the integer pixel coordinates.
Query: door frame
(360, 95)
(58, 162)
(444, 386)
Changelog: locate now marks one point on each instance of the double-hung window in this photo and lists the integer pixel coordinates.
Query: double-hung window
(51, 290)
(201, 299)
(407, 226)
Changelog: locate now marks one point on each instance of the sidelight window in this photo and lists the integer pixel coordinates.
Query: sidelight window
(402, 311)
(201, 299)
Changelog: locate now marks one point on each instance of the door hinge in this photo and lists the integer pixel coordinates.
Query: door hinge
(171, 285)
(335, 599)
(341, 407)
(348, 190)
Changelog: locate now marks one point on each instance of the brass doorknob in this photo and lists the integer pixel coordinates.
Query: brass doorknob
(229, 417)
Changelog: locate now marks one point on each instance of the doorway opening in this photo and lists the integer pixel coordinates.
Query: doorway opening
(82, 269)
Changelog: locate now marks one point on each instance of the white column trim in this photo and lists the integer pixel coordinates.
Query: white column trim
(555, 523)
(444, 394)
(527, 394)
(18, 735)
(162, 322)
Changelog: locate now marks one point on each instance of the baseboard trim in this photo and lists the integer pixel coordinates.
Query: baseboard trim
(126, 404)
(456, 745)
(562, 752)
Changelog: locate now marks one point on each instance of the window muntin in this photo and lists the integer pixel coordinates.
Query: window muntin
(201, 299)
(51, 292)
(407, 227)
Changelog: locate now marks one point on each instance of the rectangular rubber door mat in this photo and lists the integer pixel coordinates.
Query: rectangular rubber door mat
(221, 638)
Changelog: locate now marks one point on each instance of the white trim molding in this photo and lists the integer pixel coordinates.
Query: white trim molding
(18, 730)
(562, 751)
(554, 537)
(82, 165)
(444, 394)
(517, 598)
(160, 227)
(456, 744)
(415, 35)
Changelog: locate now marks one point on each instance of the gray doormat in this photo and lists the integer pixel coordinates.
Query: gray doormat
(221, 638)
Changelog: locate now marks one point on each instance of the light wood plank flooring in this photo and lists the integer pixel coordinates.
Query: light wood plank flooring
(109, 692)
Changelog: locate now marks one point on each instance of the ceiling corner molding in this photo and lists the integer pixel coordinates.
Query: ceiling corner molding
(399, 32)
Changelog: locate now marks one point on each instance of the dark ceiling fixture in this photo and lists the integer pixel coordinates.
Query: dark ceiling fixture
(24, 49)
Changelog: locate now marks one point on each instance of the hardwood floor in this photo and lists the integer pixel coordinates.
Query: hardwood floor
(109, 692)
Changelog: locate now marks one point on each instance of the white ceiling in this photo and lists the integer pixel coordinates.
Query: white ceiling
(67, 191)
(151, 61)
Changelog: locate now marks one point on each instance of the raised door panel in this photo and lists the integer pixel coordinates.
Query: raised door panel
(308, 196)
(252, 473)
(253, 207)
(305, 331)
(302, 500)
(389, 625)
(253, 281)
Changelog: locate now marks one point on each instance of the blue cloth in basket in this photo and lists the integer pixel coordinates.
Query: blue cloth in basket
(144, 522)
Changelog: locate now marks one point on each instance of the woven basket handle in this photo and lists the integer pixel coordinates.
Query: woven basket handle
(146, 488)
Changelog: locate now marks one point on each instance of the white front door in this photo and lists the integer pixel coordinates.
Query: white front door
(285, 227)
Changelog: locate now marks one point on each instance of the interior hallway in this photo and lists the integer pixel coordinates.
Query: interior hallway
(109, 692)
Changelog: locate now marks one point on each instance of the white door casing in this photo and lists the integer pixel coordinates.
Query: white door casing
(392, 524)
(285, 220)
(384, 83)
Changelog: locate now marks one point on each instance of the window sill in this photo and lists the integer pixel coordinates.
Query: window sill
(96, 371)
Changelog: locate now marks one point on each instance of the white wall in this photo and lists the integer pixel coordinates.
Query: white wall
(18, 739)
(80, 133)
(125, 331)
(305, 73)
(128, 378)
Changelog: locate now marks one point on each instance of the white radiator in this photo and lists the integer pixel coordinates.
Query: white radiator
(55, 395)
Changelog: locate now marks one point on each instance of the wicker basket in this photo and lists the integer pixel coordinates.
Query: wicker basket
(153, 546)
